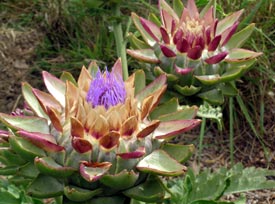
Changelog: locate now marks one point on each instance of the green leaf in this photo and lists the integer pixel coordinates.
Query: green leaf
(151, 191)
(9, 170)
(67, 76)
(32, 100)
(154, 86)
(146, 36)
(240, 55)
(26, 149)
(45, 187)
(136, 43)
(236, 70)
(178, 7)
(214, 97)
(206, 8)
(165, 108)
(10, 158)
(238, 39)
(209, 187)
(28, 123)
(228, 22)
(170, 77)
(228, 89)
(179, 152)
(187, 90)
(7, 198)
(184, 114)
(103, 200)
(140, 81)
(123, 180)
(48, 166)
(159, 162)
(152, 17)
(55, 86)
(28, 171)
(77, 194)
(209, 79)
(249, 179)
(145, 55)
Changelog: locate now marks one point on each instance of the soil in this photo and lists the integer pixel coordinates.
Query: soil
(16, 57)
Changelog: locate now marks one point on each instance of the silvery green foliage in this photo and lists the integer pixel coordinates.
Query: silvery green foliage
(208, 187)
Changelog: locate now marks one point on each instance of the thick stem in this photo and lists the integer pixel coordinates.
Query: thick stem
(120, 43)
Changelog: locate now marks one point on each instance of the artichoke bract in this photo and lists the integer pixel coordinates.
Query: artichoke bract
(96, 139)
(199, 53)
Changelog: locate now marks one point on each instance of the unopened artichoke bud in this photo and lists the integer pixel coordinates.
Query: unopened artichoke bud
(199, 53)
(96, 138)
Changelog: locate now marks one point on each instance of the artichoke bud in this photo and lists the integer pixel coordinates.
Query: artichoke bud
(201, 51)
(96, 137)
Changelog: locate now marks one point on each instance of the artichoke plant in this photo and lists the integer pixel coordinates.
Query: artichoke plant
(97, 139)
(199, 53)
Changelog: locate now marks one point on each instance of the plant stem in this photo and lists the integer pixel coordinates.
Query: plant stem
(231, 131)
(120, 43)
(202, 130)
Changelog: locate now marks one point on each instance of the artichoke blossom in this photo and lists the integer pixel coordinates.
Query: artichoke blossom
(95, 138)
(200, 54)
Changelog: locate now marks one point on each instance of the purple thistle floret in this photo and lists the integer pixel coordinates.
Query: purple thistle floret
(106, 90)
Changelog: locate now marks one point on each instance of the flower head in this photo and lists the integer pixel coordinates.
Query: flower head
(106, 90)
(98, 131)
(193, 45)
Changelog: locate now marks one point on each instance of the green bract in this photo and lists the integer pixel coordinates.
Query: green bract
(88, 151)
(200, 55)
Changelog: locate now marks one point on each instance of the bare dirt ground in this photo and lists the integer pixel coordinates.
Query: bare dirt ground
(16, 57)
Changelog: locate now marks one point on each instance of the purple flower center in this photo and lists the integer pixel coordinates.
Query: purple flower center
(106, 90)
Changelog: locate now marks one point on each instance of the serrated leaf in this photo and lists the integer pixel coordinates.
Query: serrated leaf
(249, 179)
(187, 90)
